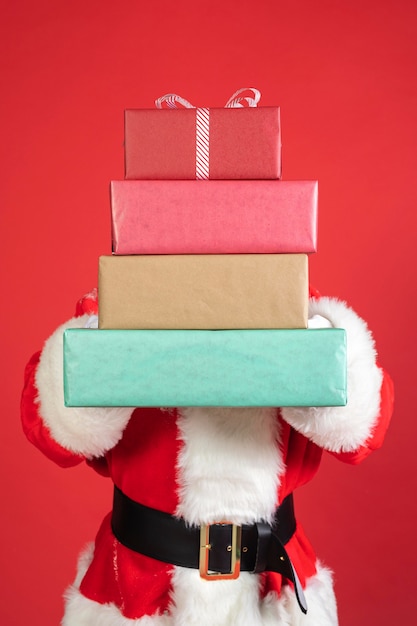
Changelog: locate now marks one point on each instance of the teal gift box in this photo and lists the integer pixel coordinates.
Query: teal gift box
(173, 368)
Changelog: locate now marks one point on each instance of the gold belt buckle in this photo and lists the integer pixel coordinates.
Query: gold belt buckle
(234, 549)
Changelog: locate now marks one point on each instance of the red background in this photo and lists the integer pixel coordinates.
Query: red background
(344, 74)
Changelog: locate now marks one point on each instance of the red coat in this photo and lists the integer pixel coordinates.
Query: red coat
(155, 462)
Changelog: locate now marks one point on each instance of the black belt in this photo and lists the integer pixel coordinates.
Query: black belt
(219, 550)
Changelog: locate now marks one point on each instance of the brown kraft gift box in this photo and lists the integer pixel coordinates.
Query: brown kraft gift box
(203, 291)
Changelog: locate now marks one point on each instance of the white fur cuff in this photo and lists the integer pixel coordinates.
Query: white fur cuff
(87, 431)
(344, 429)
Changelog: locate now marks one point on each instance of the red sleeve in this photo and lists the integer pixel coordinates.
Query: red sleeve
(87, 304)
(313, 292)
(376, 439)
(33, 425)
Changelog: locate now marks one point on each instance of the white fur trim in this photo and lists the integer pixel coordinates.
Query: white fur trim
(318, 321)
(344, 429)
(81, 611)
(321, 602)
(229, 464)
(84, 430)
(196, 602)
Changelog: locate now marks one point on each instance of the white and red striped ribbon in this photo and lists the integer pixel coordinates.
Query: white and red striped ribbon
(202, 139)
(238, 100)
(172, 100)
(202, 144)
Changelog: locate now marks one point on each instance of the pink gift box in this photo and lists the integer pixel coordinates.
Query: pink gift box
(213, 217)
(234, 143)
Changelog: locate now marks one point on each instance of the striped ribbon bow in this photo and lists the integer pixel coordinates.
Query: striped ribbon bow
(237, 100)
(171, 100)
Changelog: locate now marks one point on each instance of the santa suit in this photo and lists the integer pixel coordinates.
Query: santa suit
(204, 465)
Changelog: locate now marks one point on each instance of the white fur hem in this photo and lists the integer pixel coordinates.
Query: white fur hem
(196, 602)
(80, 611)
(344, 429)
(84, 612)
(87, 431)
(237, 602)
(321, 601)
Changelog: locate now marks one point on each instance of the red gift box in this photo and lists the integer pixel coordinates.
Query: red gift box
(214, 217)
(229, 143)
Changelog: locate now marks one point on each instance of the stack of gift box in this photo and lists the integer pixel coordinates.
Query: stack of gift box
(204, 299)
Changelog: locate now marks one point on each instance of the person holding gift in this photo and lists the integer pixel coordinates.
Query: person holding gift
(214, 483)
